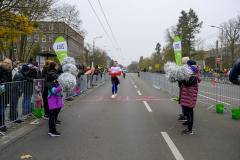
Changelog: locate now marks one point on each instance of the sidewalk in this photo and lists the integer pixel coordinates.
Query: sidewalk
(17, 130)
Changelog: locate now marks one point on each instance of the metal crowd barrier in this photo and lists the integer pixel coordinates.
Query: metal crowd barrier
(211, 90)
(19, 100)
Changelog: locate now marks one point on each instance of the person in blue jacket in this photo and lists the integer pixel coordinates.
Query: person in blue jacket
(235, 72)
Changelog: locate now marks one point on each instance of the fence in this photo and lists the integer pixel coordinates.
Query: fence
(19, 99)
(211, 90)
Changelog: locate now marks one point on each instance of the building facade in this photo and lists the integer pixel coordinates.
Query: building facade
(45, 35)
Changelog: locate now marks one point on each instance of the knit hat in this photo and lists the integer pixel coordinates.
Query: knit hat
(191, 62)
(184, 60)
(194, 68)
(25, 68)
(50, 78)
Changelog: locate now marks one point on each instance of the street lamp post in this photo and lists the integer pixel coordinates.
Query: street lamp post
(221, 45)
(94, 48)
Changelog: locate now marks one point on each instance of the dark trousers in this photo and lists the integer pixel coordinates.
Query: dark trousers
(46, 108)
(190, 116)
(53, 114)
(14, 108)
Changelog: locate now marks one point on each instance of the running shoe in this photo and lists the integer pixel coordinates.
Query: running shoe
(187, 132)
(58, 123)
(115, 95)
(182, 119)
(112, 96)
(46, 117)
(56, 134)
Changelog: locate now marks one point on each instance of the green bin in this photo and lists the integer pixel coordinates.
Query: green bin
(38, 112)
(219, 108)
(235, 113)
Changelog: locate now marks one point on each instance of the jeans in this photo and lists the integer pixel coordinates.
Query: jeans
(181, 106)
(27, 106)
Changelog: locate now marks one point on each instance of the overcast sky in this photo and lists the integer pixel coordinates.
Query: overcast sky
(139, 24)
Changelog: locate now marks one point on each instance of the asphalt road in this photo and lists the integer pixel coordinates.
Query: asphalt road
(140, 124)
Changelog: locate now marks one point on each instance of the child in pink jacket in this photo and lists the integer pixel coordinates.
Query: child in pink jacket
(188, 98)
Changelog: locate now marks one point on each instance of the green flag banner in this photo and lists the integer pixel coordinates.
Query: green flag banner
(177, 50)
(60, 47)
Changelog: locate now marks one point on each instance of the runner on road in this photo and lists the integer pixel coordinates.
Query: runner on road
(115, 72)
(124, 73)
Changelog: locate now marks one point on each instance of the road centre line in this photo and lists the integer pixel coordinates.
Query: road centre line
(135, 86)
(172, 146)
(147, 106)
(139, 92)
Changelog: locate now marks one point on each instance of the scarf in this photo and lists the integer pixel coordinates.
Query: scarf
(6, 69)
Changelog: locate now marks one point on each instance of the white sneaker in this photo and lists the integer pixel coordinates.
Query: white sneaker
(112, 96)
(115, 95)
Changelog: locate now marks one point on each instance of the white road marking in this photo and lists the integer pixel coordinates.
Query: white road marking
(172, 146)
(132, 82)
(147, 106)
(35, 122)
(139, 93)
(135, 86)
(214, 99)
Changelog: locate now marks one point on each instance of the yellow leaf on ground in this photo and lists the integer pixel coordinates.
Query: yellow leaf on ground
(26, 156)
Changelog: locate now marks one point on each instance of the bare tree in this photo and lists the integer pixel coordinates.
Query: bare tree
(231, 38)
(69, 14)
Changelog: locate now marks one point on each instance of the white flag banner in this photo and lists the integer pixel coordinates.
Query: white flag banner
(60, 46)
(177, 46)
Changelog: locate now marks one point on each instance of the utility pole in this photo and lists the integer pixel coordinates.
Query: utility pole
(221, 51)
(216, 55)
(94, 49)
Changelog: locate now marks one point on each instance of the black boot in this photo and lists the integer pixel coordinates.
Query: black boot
(2, 123)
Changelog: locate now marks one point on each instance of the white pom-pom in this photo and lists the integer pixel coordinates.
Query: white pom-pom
(67, 81)
(68, 60)
(70, 68)
(175, 73)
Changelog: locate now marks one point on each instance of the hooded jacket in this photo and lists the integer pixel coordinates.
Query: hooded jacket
(54, 96)
(189, 91)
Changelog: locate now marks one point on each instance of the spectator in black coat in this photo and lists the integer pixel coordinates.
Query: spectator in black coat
(26, 88)
(5, 76)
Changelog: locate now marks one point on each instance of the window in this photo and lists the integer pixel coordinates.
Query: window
(50, 26)
(50, 38)
(36, 38)
(43, 49)
(29, 38)
(44, 38)
(43, 26)
(15, 49)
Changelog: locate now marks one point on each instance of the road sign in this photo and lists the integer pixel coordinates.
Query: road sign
(156, 65)
(150, 67)
(218, 60)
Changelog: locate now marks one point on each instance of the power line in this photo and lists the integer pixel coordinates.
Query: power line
(101, 24)
(109, 26)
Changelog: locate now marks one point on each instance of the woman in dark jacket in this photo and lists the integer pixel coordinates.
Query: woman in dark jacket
(52, 70)
(45, 69)
(5, 76)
